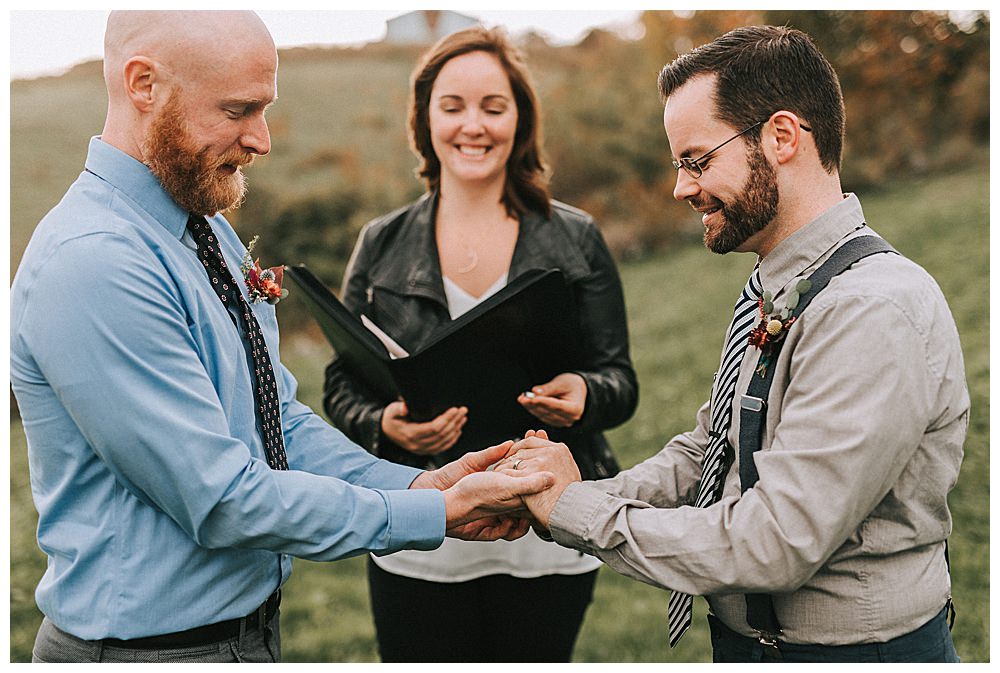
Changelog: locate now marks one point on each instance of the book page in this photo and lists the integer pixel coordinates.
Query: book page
(395, 350)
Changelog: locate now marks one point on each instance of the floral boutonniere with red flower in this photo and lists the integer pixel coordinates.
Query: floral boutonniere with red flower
(262, 284)
(773, 326)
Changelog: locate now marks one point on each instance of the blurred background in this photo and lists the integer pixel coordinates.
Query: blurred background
(916, 85)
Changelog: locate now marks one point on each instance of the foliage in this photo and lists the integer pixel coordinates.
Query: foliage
(936, 221)
(914, 82)
(605, 141)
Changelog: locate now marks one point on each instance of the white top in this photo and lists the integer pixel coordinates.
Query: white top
(460, 560)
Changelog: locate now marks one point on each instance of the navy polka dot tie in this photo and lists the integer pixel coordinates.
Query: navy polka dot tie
(265, 389)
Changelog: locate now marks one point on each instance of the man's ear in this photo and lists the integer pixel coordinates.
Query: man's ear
(787, 134)
(139, 76)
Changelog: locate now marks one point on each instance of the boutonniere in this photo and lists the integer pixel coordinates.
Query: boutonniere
(773, 326)
(262, 284)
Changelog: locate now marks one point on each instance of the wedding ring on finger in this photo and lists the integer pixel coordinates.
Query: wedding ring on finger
(517, 461)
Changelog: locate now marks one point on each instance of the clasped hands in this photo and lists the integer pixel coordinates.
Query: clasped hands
(500, 492)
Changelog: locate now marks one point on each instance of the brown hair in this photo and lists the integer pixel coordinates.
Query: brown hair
(526, 187)
(763, 69)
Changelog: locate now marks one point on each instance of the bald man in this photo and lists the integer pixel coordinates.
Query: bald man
(174, 473)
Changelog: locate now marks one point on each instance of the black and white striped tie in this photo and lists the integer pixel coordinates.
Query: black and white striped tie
(716, 464)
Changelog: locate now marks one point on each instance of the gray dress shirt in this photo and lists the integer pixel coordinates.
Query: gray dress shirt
(866, 420)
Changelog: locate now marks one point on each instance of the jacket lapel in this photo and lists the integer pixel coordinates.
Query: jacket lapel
(416, 270)
(541, 244)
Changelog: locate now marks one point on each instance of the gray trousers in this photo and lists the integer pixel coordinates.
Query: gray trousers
(53, 645)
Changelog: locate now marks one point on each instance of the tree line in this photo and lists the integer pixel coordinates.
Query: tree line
(915, 83)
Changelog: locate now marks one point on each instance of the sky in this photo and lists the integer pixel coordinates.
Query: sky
(48, 42)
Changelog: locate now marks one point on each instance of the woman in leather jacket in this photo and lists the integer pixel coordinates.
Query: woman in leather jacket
(486, 220)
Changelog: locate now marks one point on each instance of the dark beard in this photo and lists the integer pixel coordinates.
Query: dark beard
(187, 174)
(752, 210)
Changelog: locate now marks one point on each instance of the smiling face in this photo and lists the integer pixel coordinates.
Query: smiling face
(473, 119)
(737, 193)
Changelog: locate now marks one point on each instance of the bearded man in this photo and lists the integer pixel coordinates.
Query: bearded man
(809, 502)
(174, 473)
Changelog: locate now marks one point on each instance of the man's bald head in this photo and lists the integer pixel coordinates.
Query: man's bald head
(185, 45)
(187, 93)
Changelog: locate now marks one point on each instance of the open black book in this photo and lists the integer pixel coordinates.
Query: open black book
(523, 335)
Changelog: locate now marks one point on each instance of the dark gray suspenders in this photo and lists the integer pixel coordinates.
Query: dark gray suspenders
(753, 407)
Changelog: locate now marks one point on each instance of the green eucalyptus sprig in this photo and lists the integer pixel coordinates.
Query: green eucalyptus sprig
(773, 326)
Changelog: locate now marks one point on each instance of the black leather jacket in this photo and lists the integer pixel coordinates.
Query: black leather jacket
(394, 277)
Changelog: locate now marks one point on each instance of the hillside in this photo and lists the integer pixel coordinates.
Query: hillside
(338, 112)
(340, 155)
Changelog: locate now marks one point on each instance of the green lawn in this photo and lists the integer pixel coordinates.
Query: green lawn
(679, 306)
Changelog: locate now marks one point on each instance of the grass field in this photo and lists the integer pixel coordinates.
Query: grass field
(678, 306)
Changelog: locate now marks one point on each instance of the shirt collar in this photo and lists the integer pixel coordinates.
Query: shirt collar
(134, 179)
(802, 249)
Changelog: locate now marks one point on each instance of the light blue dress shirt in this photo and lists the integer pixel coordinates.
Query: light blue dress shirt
(157, 510)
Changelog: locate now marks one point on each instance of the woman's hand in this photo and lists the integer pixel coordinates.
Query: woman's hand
(559, 403)
(423, 439)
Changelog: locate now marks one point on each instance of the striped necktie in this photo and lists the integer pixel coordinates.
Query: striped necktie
(265, 390)
(718, 456)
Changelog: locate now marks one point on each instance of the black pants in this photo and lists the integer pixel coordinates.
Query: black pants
(497, 618)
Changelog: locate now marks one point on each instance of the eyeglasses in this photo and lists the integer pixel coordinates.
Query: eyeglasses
(694, 167)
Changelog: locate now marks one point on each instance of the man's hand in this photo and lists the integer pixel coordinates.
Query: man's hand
(423, 439)
(471, 494)
(491, 528)
(536, 455)
(475, 461)
(486, 494)
(559, 403)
